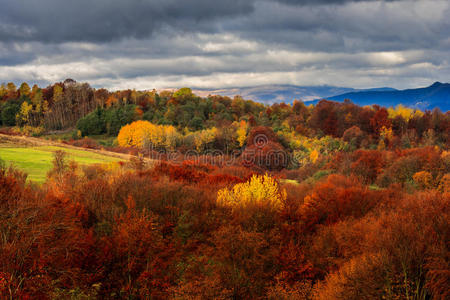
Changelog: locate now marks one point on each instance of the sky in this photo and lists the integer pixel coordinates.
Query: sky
(146, 44)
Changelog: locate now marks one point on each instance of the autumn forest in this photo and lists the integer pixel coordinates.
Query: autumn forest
(224, 198)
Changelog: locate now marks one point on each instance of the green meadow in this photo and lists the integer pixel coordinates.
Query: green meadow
(37, 161)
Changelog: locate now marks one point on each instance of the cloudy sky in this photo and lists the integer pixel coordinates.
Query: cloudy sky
(147, 44)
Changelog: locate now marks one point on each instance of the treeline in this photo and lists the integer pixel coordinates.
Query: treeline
(98, 111)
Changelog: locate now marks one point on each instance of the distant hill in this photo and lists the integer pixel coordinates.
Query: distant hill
(281, 93)
(436, 95)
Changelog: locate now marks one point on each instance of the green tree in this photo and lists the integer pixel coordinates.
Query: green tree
(9, 111)
(93, 123)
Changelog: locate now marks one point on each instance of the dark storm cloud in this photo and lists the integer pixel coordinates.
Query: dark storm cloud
(167, 43)
(351, 28)
(106, 20)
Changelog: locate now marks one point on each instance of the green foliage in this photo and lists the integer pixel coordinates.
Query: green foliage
(183, 92)
(9, 111)
(93, 123)
(115, 118)
(107, 121)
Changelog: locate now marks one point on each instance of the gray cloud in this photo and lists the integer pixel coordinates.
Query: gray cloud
(106, 20)
(205, 43)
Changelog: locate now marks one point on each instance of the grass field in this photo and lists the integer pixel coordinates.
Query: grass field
(37, 160)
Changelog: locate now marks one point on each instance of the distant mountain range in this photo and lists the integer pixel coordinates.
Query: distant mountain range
(436, 95)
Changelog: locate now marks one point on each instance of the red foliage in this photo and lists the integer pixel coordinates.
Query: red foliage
(335, 199)
(191, 172)
(380, 120)
(367, 164)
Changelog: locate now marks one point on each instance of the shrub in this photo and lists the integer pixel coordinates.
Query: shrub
(258, 191)
(30, 130)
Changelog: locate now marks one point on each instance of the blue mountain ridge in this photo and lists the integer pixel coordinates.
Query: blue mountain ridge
(435, 95)
(282, 92)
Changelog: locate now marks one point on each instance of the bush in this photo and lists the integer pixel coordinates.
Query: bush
(30, 130)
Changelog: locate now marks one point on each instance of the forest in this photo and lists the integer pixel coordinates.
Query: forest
(225, 198)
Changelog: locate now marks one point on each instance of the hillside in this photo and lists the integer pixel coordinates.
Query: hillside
(282, 93)
(34, 156)
(435, 95)
(237, 200)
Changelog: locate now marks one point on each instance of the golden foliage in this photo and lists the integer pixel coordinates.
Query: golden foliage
(314, 155)
(142, 134)
(386, 133)
(423, 179)
(404, 112)
(259, 190)
(204, 137)
(242, 133)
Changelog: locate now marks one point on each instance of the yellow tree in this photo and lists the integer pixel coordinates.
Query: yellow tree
(24, 90)
(23, 116)
(314, 155)
(404, 112)
(242, 133)
(204, 137)
(142, 134)
(258, 191)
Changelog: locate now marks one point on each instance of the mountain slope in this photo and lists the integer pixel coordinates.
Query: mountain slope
(436, 95)
(280, 93)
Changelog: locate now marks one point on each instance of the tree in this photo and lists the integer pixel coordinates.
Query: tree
(258, 191)
(93, 123)
(11, 91)
(142, 134)
(24, 90)
(423, 179)
(242, 133)
(9, 111)
(354, 136)
(183, 92)
(380, 120)
(23, 117)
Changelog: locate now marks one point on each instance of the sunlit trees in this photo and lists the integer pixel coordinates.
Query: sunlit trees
(204, 138)
(242, 133)
(258, 191)
(143, 134)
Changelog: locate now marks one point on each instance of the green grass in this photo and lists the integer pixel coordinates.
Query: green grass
(36, 161)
